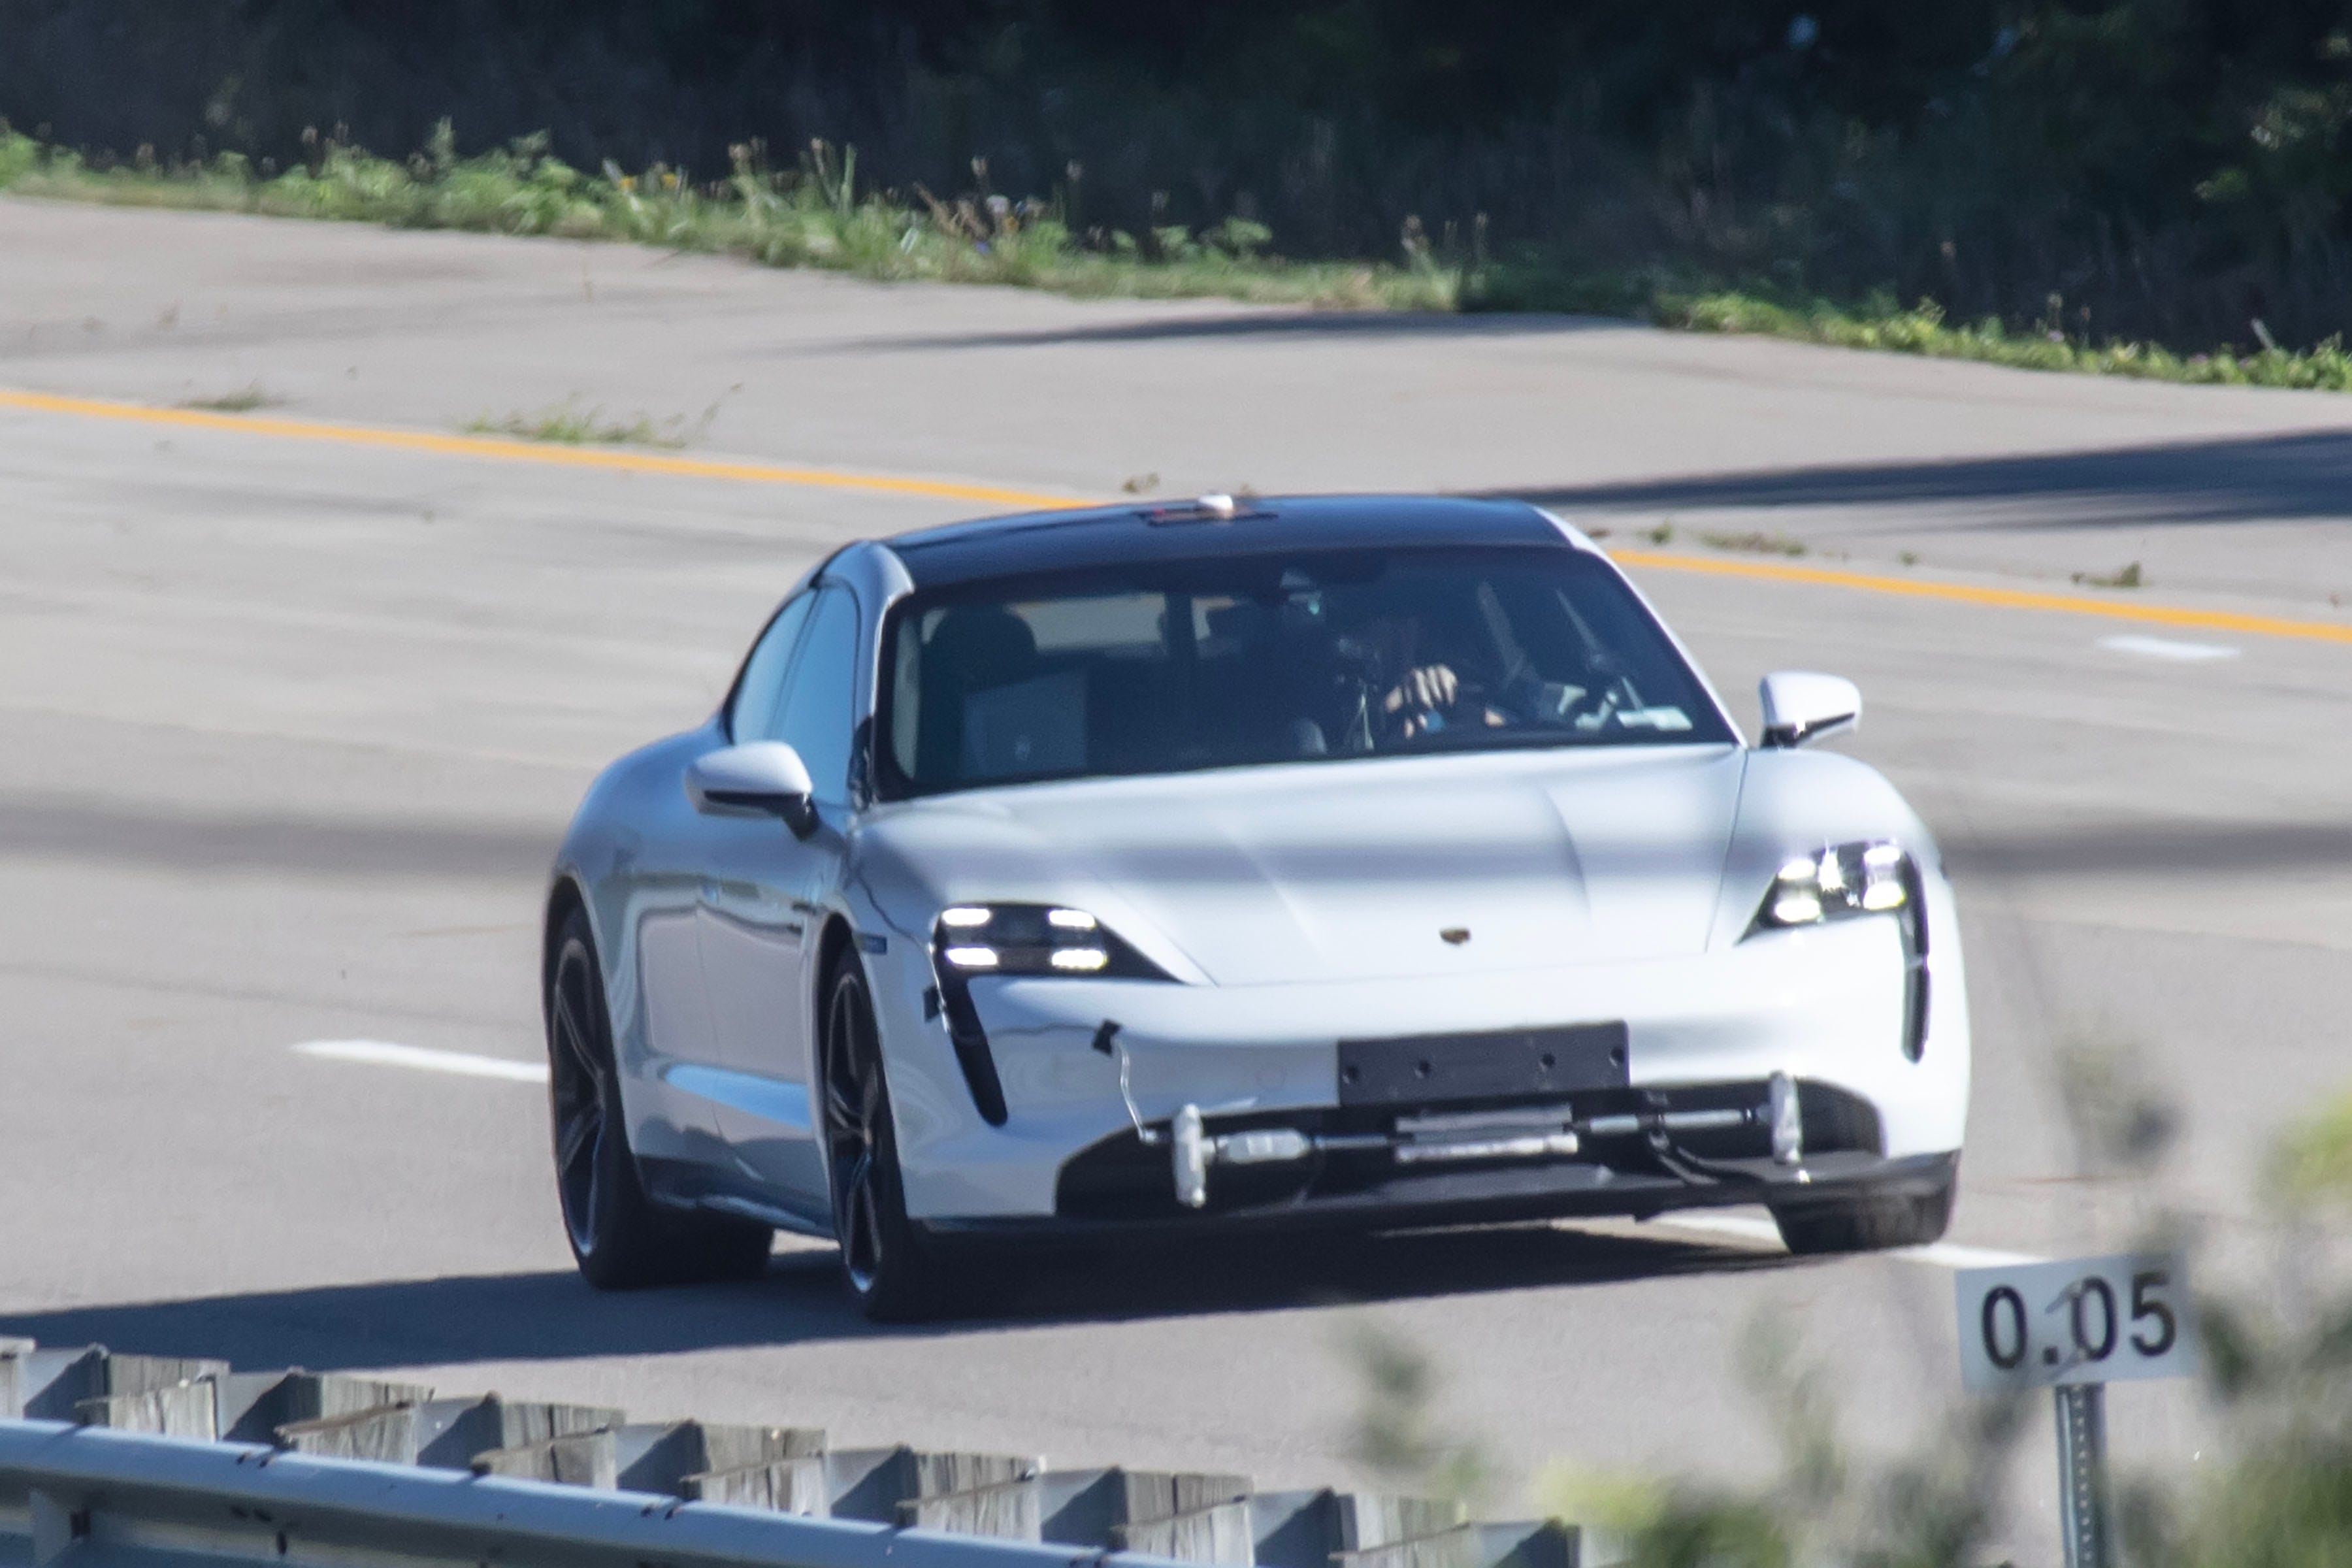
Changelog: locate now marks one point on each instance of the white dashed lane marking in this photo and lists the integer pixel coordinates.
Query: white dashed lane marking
(2165, 648)
(384, 1053)
(1940, 1254)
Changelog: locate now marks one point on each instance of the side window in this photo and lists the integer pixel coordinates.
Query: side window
(817, 711)
(760, 695)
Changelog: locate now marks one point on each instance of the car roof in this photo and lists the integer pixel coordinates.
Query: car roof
(1113, 536)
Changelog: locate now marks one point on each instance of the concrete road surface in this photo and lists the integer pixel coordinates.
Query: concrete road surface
(288, 728)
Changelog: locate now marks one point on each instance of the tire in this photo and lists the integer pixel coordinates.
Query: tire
(894, 1273)
(620, 1237)
(1868, 1224)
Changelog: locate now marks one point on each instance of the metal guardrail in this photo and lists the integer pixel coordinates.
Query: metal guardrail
(93, 1498)
(108, 1459)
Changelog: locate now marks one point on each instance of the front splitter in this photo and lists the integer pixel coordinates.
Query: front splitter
(1506, 1194)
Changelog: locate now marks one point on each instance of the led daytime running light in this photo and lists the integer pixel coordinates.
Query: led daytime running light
(1844, 879)
(1010, 940)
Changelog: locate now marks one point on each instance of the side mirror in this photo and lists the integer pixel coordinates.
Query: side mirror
(1800, 707)
(758, 777)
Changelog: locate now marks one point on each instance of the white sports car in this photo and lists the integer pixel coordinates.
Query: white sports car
(1353, 861)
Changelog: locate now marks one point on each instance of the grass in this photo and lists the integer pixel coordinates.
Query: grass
(2274, 1488)
(240, 402)
(2127, 577)
(1882, 324)
(816, 215)
(570, 425)
(1755, 543)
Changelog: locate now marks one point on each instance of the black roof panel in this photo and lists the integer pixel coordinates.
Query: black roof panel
(1120, 535)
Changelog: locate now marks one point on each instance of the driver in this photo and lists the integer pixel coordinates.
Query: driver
(1412, 683)
(1422, 662)
(1427, 695)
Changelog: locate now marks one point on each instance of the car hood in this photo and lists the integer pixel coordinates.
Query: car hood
(1357, 869)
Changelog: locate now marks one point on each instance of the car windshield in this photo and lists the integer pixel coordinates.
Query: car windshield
(1173, 666)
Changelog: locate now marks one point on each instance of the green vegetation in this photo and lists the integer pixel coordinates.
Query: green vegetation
(812, 216)
(570, 425)
(817, 214)
(2128, 577)
(1755, 543)
(2119, 186)
(2311, 1167)
(240, 402)
(2276, 1489)
(1922, 331)
(1395, 1435)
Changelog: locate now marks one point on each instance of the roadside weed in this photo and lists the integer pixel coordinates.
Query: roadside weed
(812, 211)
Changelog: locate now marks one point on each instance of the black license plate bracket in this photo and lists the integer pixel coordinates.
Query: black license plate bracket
(1499, 1064)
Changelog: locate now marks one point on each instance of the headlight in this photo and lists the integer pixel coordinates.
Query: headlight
(1840, 881)
(1033, 939)
(1845, 880)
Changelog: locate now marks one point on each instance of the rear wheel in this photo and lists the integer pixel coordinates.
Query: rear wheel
(620, 1237)
(1868, 1224)
(894, 1272)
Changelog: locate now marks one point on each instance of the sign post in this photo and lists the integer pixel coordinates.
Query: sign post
(2083, 1474)
(2073, 1328)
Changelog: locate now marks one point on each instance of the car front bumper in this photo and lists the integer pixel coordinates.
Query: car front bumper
(1825, 1007)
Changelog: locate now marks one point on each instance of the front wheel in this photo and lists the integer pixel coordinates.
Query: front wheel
(1868, 1224)
(620, 1237)
(894, 1272)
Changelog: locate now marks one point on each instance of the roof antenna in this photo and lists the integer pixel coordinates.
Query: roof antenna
(1218, 505)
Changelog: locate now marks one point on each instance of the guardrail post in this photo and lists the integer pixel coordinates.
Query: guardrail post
(387, 1434)
(176, 1410)
(12, 1353)
(1218, 1535)
(795, 1486)
(56, 1525)
(870, 1483)
(1009, 1510)
(582, 1460)
(255, 1404)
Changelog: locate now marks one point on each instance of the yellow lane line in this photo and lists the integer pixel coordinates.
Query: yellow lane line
(1996, 598)
(631, 462)
(611, 460)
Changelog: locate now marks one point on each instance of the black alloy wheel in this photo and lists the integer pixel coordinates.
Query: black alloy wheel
(893, 1270)
(620, 1237)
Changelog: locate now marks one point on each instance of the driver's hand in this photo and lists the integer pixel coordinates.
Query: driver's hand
(1430, 690)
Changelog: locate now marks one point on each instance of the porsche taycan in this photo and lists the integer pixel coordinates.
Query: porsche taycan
(1369, 862)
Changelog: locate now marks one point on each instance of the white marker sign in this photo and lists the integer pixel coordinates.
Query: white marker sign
(2094, 1320)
